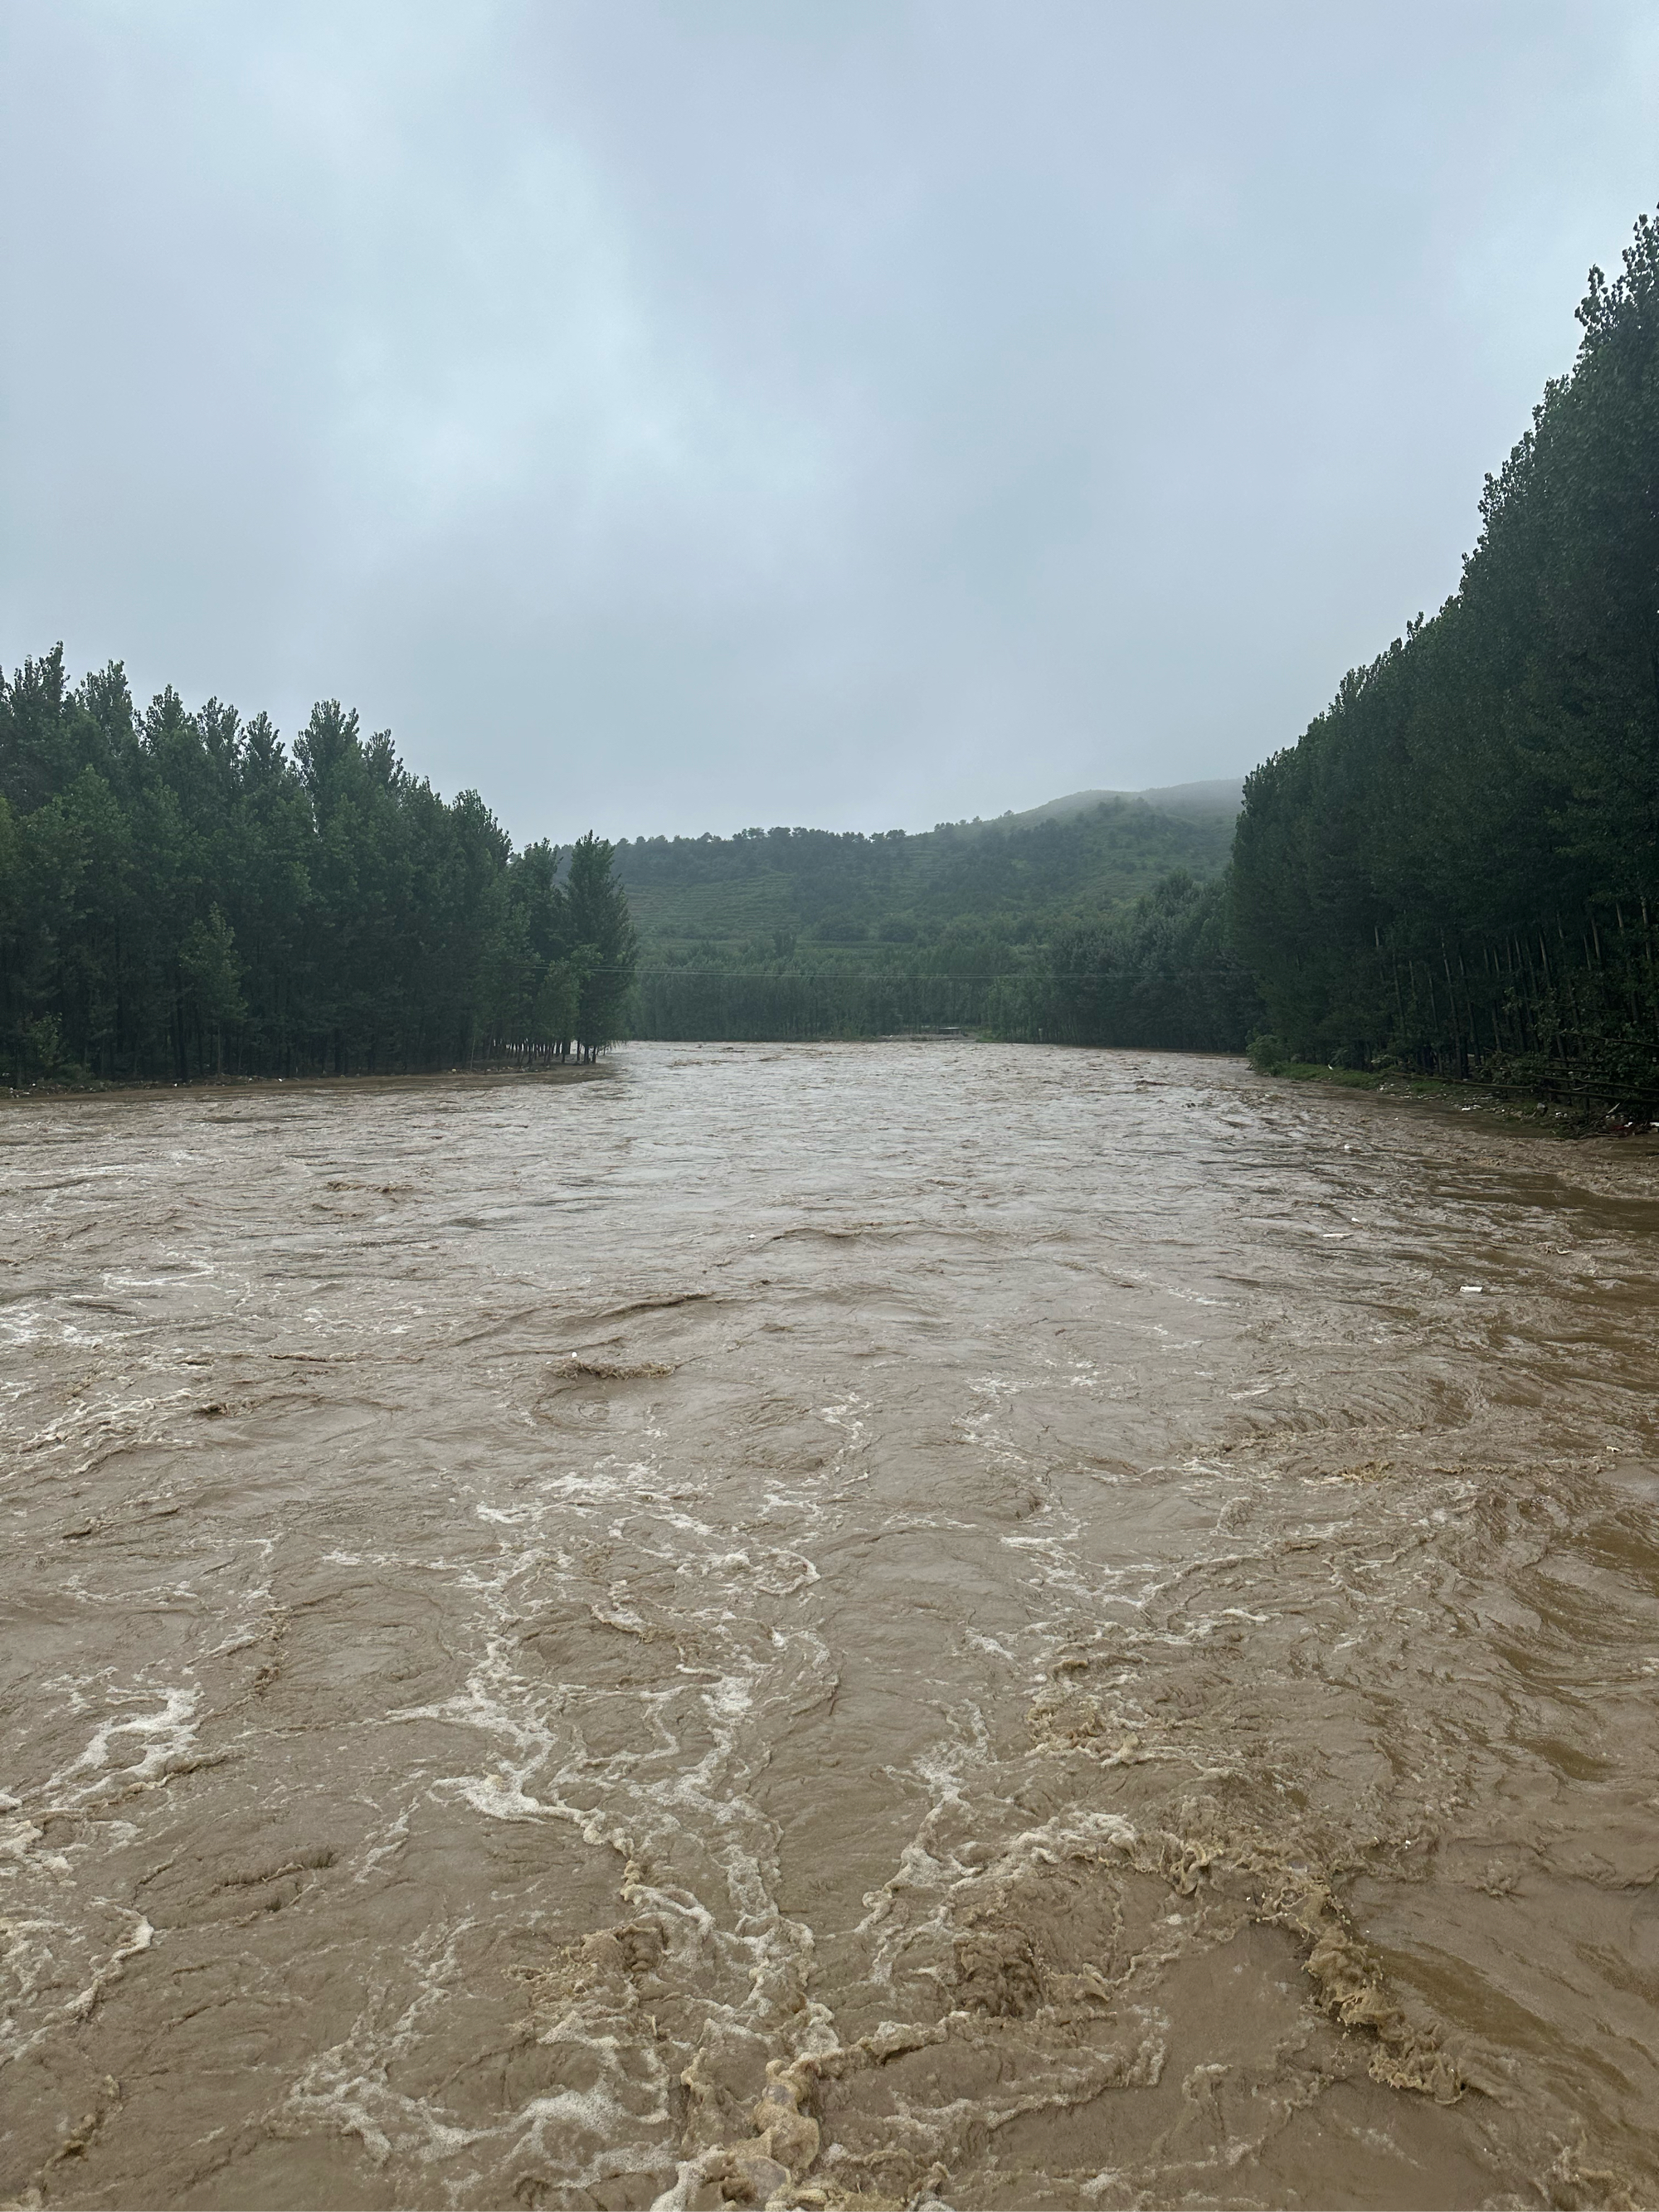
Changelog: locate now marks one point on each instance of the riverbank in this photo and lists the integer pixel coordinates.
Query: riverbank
(1597, 1111)
(208, 1086)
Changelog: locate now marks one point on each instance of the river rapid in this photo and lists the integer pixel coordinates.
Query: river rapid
(858, 1625)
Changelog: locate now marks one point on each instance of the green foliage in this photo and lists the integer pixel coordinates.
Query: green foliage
(608, 951)
(44, 1039)
(1161, 974)
(1268, 1056)
(794, 933)
(558, 999)
(211, 971)
(1009, 881)
(180, 896)
(794, 1003)
(1457, 867)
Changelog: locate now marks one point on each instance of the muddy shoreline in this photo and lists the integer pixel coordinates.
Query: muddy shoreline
(211, 1085)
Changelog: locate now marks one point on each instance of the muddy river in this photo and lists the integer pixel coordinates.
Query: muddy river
(919, 1623)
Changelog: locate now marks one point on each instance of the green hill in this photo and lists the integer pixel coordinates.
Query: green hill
(894, 898)
(817, 933)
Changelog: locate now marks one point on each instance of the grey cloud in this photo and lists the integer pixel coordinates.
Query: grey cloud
(672, 417)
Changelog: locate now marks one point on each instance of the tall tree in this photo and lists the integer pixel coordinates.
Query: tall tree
(1458, 864)
(605, 949)
(180, 896)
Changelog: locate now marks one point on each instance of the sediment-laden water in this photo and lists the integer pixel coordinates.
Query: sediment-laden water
(845, 1625)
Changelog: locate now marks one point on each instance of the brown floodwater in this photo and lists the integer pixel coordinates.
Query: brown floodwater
(864, 1625)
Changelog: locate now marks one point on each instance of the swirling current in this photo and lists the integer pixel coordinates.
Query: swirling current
(920, 1623)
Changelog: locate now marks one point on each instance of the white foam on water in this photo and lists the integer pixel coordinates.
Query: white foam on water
(17, 1836)
(164, 1735)
(659, 1752)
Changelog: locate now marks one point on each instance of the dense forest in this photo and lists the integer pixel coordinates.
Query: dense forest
(180, 897)
(1056, 926)
(1457, 867)
(840, 890)
(1455, 870)
(1156, 971)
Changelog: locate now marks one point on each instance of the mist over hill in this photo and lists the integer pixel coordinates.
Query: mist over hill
(962, 886)
(1101, 913)
(1220, 795)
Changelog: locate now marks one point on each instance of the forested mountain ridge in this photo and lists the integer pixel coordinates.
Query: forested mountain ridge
(830, 889)
(1102, 922)
(1457, 866)
(180, 896)
(1222, 795)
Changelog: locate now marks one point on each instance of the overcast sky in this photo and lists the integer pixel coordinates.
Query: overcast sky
(672, 417)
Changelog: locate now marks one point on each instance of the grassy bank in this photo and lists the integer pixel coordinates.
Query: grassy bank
(1571, 1107)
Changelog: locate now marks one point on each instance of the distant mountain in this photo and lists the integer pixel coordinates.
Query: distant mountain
(785, 894)
(1224, 796)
